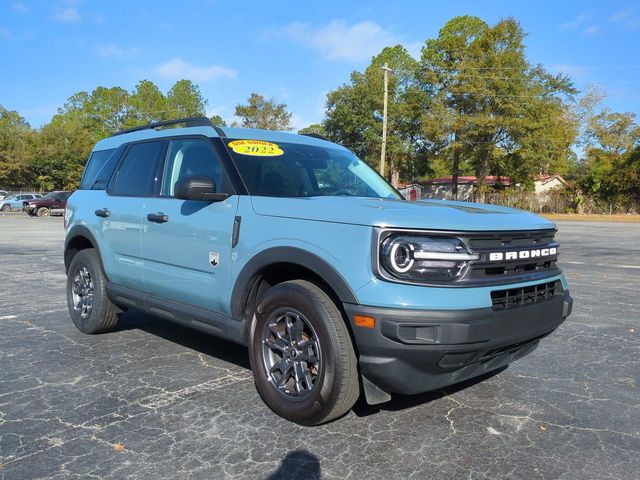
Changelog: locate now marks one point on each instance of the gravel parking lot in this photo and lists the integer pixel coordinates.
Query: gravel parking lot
(155, 400)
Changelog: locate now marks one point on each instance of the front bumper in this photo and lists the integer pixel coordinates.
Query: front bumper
(413, 351)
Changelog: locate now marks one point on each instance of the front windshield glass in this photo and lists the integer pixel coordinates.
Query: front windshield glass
(50, 195)
(295, 170)
(10, 197)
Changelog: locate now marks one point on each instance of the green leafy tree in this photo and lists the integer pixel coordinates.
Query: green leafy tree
(185, 100)
(612, 156)
(218, 121)
(263, 113)
(489, 107)
(355, 109)
(147, 104)
(59, 151)
(13, 160)
(313, 129)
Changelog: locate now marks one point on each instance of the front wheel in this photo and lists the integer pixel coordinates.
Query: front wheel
(5, 208)
(42, 212)
(303, 361)
(89, 307)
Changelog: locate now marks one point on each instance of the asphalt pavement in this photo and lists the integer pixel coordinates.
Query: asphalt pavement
(155, 400)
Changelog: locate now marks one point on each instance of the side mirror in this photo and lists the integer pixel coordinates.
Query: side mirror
(198, 187)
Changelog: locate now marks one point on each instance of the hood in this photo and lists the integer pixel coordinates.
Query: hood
(425, 214)
(38, 201)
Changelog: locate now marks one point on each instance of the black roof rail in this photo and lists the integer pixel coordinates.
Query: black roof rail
(315, 135)
(188, 122)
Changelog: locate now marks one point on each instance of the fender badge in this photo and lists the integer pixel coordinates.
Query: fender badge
(214, 259)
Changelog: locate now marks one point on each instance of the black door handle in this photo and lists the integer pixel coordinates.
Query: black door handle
(158, 217)
(104, 213)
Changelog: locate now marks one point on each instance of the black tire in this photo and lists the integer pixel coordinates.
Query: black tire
(5, 208)
(42, 212)
(102, 316)
(335, 387)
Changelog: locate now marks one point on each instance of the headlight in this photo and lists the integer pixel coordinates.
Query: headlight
(423, 258)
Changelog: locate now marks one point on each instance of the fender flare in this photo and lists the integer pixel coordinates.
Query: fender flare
(75, 232)
(296, 256)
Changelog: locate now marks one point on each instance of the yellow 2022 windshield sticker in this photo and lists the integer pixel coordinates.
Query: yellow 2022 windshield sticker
(256, 148)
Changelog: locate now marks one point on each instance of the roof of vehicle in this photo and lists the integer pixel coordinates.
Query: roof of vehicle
(210, 131)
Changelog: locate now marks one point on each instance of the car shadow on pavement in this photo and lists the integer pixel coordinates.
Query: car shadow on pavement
(187, 337)
(298, 464)
(235, 354)
(402, 402)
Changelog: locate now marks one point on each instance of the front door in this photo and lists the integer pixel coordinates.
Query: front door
(186, 244)
(119, 214)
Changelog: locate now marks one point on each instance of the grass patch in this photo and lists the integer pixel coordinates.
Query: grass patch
(593, 218)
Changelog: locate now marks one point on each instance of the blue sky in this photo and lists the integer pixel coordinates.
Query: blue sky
(293, 51)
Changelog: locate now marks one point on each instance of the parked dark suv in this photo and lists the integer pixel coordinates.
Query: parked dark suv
(52, 203)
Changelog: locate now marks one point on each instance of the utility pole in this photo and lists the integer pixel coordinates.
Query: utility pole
(383, 151)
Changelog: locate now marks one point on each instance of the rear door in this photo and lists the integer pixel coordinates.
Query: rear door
(60, 201)
(186, 244)
(119, 219)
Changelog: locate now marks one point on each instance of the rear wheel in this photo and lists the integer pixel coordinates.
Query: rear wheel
(303, 361)
(42, 212)
(89, 307)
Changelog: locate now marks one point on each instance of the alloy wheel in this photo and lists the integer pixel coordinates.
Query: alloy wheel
(291, 354)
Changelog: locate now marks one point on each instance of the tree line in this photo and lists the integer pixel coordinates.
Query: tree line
(472, 104)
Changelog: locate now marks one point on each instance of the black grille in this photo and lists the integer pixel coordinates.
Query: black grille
(487, 271)
(520, 297)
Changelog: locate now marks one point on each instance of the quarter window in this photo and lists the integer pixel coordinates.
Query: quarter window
(189, 157)
(137, 174)
(95, 164)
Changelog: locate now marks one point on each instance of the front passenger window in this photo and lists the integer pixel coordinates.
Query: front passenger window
(189, 157)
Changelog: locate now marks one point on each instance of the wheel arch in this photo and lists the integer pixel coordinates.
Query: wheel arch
(78, 238)
(286, 263)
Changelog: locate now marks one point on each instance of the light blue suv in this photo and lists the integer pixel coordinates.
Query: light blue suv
(290, 245)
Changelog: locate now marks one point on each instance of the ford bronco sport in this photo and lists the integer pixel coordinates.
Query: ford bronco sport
(292, 246)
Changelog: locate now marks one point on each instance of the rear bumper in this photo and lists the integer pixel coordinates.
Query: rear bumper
(414, 351)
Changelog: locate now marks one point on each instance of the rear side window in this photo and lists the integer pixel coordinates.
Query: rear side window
(97, 161)
(137, 173)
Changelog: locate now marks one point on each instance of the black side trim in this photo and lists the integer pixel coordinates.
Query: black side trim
(292, 255)
(220, 132)
(75, 232)
(204, 320)
(235, 237)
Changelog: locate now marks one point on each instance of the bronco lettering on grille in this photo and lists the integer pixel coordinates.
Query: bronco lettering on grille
(522, 254)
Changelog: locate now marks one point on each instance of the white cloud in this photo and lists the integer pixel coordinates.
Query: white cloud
(578, 21)
(339, 41)
(19, 7)
(626, 18)
(177, 69)
(115, 51)
(576, 71)
(592, 30)
(67, 15)
(6, 34)
(621, 15)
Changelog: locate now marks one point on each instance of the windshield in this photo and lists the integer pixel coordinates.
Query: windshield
(10, 197)
(295, 170)
(50, 195)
